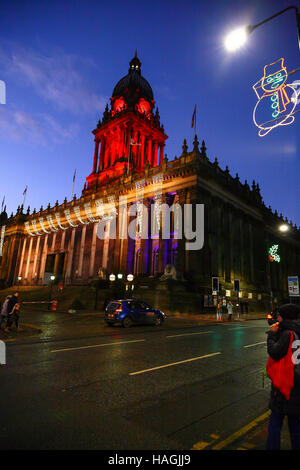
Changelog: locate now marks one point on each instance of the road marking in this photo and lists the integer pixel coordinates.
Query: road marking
(255, 344)
(174, 363)
(241, 432)
(189, 334)
(97, 345)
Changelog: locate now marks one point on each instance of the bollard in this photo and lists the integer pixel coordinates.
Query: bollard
(54, 306)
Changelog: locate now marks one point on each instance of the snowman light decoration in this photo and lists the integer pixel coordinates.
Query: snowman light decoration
(276, 99)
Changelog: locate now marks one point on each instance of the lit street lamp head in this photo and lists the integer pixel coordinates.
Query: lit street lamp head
(237, 38)
(283, 228)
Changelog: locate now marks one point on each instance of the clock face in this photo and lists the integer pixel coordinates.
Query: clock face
(119, 105)
(143, 107)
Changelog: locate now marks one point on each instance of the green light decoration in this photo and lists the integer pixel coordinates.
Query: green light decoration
(273, 254)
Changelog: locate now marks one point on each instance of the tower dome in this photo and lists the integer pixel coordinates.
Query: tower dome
(133, 82)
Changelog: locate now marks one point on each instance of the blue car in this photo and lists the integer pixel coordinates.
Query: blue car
(128, 312)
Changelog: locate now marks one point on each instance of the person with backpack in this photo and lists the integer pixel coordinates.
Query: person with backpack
(284, 335)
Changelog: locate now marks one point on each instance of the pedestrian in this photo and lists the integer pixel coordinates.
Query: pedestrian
(15, 315)
(278, 342)
(219, 311)
(10, 308)
(229, 310)
(3, 317)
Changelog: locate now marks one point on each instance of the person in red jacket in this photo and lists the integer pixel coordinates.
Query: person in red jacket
(278, 344)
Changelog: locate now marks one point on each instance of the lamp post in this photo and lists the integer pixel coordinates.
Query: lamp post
(19, 280)
(50, 291)
(238, 37)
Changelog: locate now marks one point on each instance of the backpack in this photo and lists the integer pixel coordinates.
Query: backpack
(296, 358)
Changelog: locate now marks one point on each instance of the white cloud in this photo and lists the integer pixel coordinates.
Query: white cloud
(59, 79)
(39, 129)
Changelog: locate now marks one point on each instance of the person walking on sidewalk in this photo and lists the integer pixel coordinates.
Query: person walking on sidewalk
(10, 308)
(4, 313)
(229, 310)
(278, 344)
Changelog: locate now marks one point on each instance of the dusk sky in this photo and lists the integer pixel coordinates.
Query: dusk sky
(60, 61)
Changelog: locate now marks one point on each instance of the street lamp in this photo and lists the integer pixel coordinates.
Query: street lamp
(120, 276)
(112, 277)
(50, 291)
(237, 38)
(284, 228)
(19, 280)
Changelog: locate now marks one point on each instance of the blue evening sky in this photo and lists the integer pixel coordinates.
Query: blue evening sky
(60, 61)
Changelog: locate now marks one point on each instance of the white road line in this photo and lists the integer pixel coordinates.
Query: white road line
(189, 334)
(174, 363)
(255, 344)
(97, 345)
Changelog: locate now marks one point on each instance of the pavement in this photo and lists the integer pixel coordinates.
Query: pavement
(252, 437)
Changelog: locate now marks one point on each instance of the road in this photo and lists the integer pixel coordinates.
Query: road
(185, 385)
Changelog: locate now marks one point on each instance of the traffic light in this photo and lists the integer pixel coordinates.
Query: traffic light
(215, 284)
(236, 285)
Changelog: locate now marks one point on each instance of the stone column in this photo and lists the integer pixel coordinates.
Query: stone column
(96, 155)
(70, 257)
(43, 259)
(148, 151)
(35, 259)
(102, 152)
(28, 258)
(142, 152)
(181, 263)
(155, 154)
(161, 153)
(22, 256)
(93, 251)
(82, 244)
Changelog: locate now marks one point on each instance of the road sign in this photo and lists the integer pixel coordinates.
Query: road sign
(215, 284)
(293, 286)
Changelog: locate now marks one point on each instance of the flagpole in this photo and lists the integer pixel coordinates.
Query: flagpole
(73, 184)
(24, 194)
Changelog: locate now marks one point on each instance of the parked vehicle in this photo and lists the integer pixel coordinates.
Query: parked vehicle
(128, 312)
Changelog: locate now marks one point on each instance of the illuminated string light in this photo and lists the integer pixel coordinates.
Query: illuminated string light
(2, 238)
(57, 216)
(51, 224)
(272, 88)
(43, 226)
(139, 191)
(273, 254)
(89, 213)
(28, 229)
(77, 212)
(69, 219)
(34, 227)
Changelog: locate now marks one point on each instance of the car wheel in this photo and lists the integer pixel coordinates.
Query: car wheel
(127, 322)
(158, 321)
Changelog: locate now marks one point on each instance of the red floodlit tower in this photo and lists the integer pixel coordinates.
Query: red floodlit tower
(130, 135)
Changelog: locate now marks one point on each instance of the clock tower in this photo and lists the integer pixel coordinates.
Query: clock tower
(130, 136)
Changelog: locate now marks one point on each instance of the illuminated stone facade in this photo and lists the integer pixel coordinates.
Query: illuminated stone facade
(128, 161)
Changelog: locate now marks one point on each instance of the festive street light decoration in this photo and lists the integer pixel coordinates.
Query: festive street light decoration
(112, 277)
(277, 100)
(130, 277)
(273, 254)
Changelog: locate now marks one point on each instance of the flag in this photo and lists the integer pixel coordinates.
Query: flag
(2, 204)
(194, 117)
(25, 191)
(74, 175)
